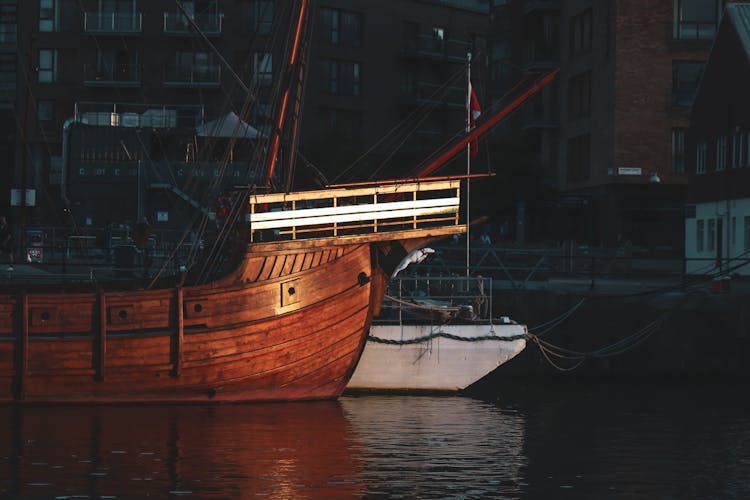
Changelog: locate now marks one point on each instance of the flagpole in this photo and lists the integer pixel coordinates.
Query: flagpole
(468, 157)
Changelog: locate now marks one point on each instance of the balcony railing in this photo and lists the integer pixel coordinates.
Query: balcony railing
(111, 22)
(193, 76)
(436, 48)
(433, 94)
(117, 75)
(175, 23)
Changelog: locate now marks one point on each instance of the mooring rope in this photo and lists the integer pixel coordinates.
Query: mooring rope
(445, 335)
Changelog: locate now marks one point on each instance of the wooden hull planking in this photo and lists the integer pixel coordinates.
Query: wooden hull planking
(285, 326)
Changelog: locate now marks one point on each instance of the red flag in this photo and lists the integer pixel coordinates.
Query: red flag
(474, 112)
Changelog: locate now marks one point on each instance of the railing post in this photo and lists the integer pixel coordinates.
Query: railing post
(294, 228)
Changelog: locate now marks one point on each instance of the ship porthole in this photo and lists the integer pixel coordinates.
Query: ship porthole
(122, 314)
(44, 316)
(197, 308)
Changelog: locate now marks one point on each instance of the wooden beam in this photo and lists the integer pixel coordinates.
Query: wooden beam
(180, 331)
(405, 187)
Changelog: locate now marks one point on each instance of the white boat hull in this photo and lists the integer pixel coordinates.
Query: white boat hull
(438, 364)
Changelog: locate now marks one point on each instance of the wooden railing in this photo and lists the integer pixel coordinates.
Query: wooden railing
(356, 209)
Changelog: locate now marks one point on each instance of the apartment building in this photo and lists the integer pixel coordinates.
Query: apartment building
(101, 97)
(610, 135)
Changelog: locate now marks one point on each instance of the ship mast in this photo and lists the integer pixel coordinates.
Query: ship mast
(292, 68)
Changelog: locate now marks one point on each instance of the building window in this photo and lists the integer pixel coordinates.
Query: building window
(696, 19)
(678, 150)
(7, 70)
(747, 233)
(47, 65)
(734, 231)
(579, 96)
(686, 75)
(47, 15)
(342, 28)
(262, 17)
(699, 236)
(45, 112)
(196, 66)
(579, 158)
(8, 22)
(738, 148)
(721, 153)
(711, 243)
(342, 77)
(701, 154)
(346, 123)
(333, 77)
(263, 66)
(581, 33)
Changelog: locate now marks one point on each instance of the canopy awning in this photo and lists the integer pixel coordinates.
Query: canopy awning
(228, 125)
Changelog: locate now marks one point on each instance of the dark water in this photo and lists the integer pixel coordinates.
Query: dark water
(542, 440)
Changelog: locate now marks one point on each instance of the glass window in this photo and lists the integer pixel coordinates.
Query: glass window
(263, 17)
(686, 75)
(678, 150)
(263, 66)
(701, 155)
(47, 65)
(342, 77)
(696, 19)
(738, 148)
(721, 153)
(580, 33)
(579, 96)
(747, 233)
(7, 70)
(47, 15)
(45, 110)
(711, 243)
(699, 236)
(8, 23)
(341, 27)
(734, 230)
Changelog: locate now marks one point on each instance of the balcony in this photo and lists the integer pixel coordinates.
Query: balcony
(116, 75)
(431, 47)
(431, 94)
(540, 57)
(535, 5)
(204, 76)
(112, 23)
(175, 23)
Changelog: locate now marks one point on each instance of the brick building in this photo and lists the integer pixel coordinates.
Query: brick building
(610, 134)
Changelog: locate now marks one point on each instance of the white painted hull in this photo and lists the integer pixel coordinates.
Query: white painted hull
(439, 364)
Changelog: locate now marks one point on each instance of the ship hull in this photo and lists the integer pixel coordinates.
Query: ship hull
(446, 363)
(287, 325)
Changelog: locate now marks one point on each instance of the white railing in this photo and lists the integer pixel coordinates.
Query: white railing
(356, 210)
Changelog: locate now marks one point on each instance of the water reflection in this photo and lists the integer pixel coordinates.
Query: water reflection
(233, 451)
(437, 447)
(609, 440)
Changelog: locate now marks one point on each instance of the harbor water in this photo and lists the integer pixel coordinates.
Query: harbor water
(515, 439)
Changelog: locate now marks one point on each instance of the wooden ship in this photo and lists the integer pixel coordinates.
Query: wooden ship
(288, 321)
